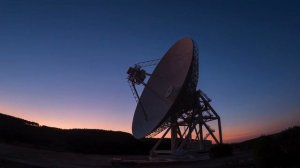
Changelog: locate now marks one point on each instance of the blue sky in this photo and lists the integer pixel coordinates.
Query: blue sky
(63, 63)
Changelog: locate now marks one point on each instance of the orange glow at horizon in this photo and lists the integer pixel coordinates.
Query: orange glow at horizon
(104, 123)
(248, 131)
(231, 134)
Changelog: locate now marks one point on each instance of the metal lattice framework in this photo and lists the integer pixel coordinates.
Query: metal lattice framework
(191, 123)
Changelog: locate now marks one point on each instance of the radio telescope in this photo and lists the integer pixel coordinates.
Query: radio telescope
(170, 104)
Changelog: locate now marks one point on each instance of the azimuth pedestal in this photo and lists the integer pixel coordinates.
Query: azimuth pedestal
(186, 130)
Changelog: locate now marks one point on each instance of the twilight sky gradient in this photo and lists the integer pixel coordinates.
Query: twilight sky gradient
(63, 63)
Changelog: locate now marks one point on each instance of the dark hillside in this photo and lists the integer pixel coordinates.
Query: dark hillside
(276, 150)
(18, 131)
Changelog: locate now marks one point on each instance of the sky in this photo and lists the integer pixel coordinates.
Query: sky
(63, 63)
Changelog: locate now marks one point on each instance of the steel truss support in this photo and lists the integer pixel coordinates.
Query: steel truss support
(187, 130)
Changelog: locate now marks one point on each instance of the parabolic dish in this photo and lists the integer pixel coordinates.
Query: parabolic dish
(163, 88)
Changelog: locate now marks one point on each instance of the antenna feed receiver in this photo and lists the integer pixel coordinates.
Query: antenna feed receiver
(136, 74)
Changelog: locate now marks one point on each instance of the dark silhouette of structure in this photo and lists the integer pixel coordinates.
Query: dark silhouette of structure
(171, 103)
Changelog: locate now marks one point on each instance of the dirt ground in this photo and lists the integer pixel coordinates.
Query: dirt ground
(16, 156)
(23, 157)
